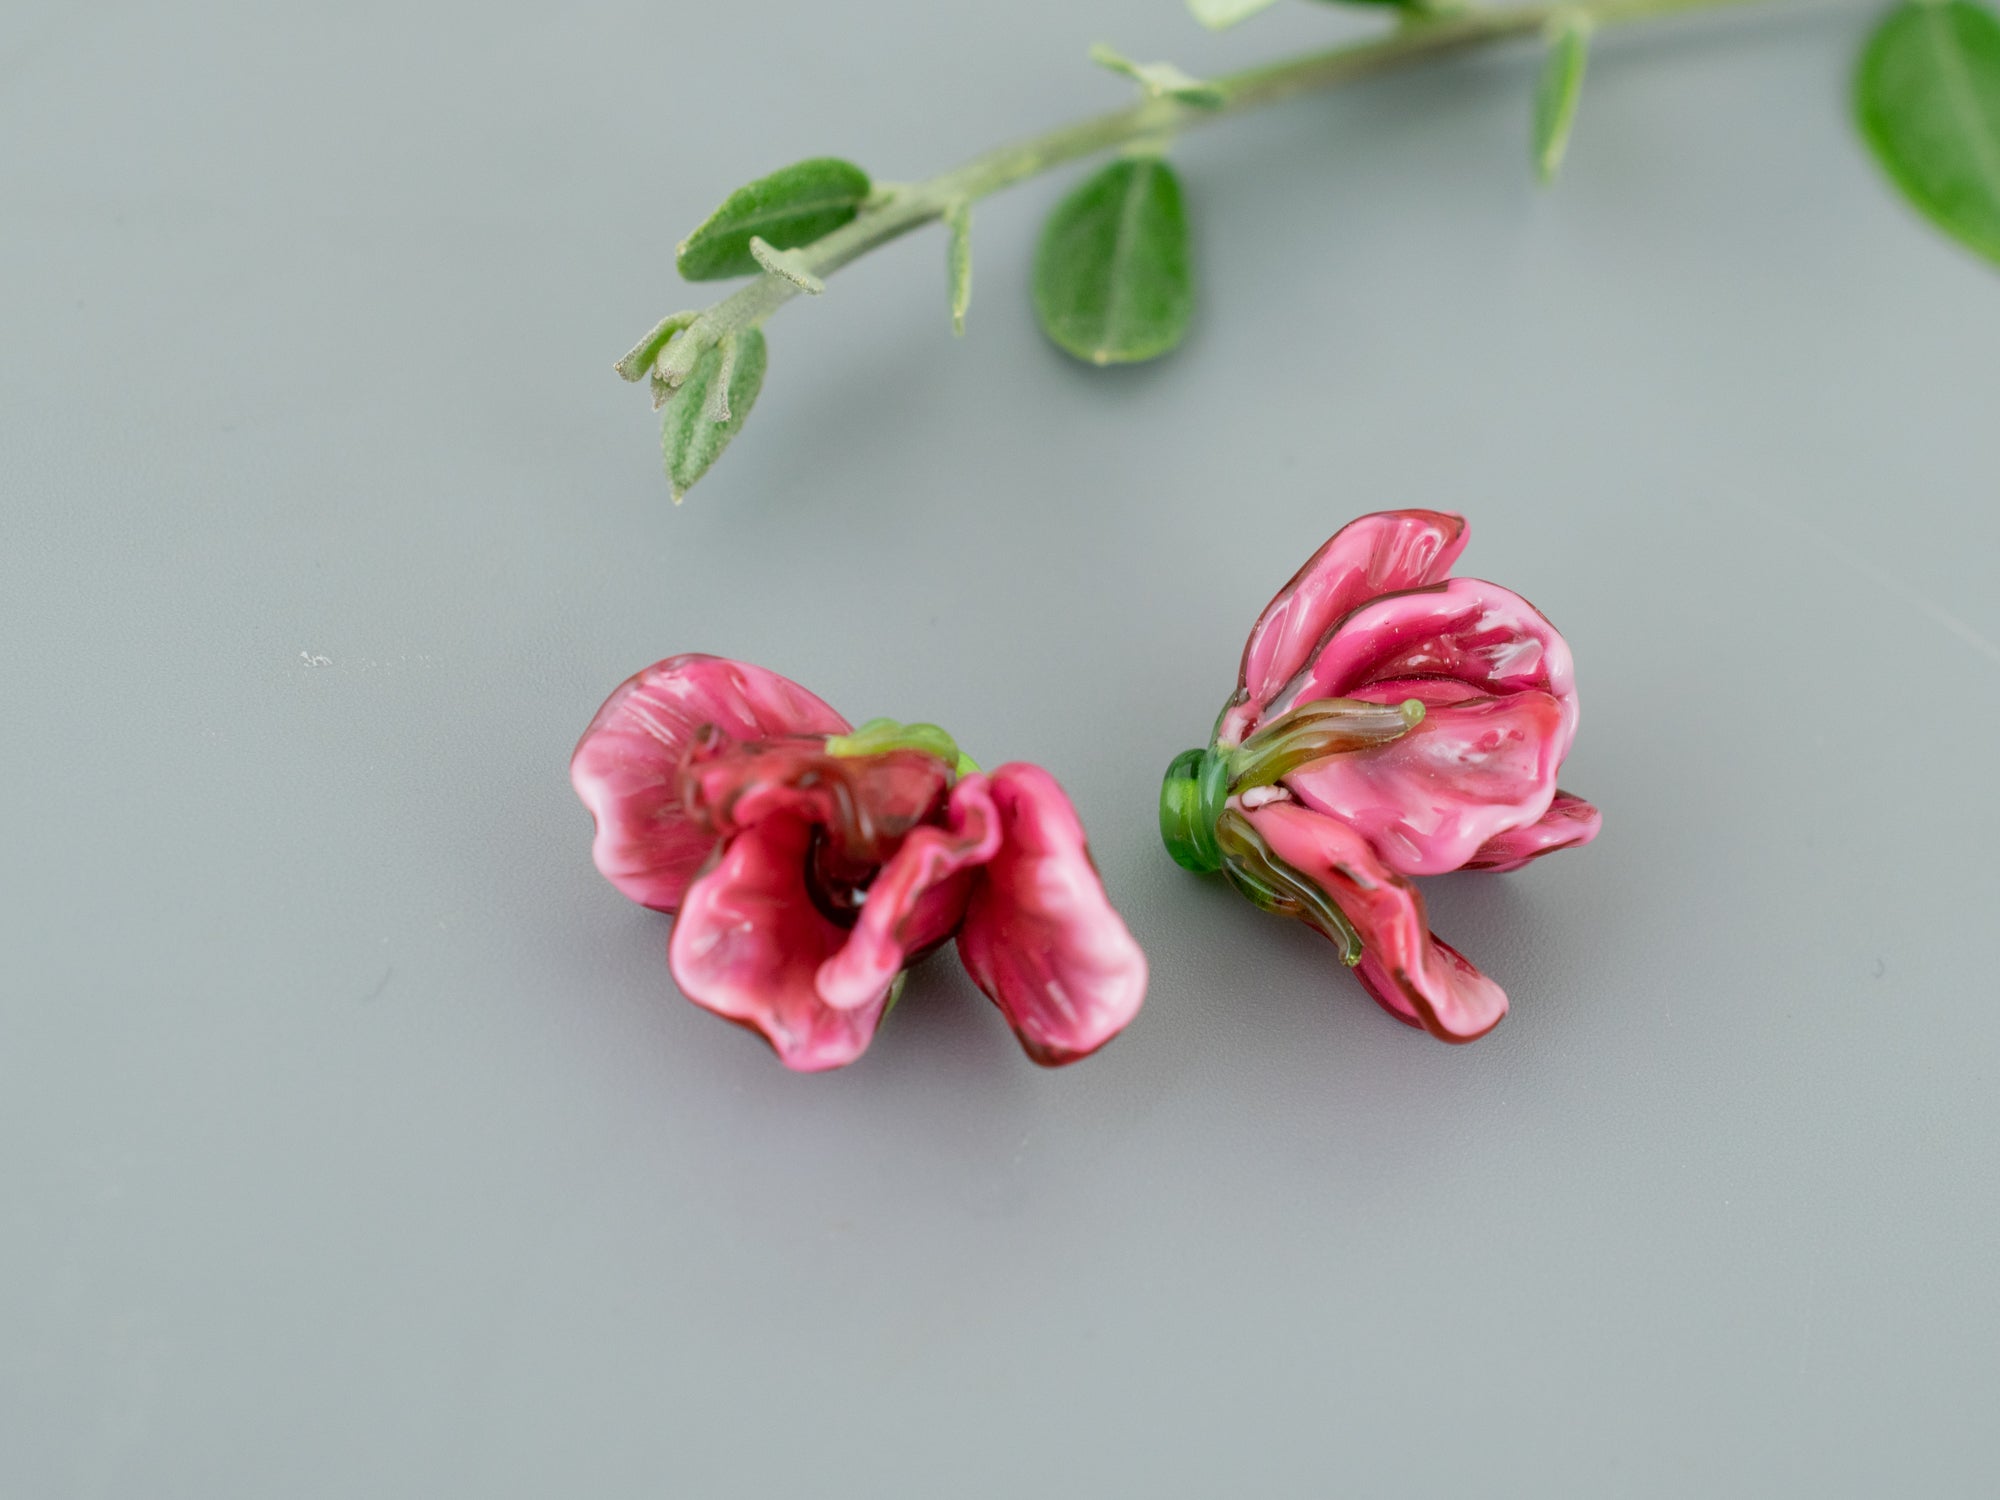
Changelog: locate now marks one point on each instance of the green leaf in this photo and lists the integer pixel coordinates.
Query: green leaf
(1160, 78)
(1560, 87)
(958, 262)
(1112, 281)
(1217, 14)
(793, 206)
(710, 406)
(1927, 98)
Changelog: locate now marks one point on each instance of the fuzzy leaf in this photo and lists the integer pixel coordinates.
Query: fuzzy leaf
(793, 206)
(638, 364)
(1217, 14)
(785, 263)
(1560, 86)
(958, 262)
(1160, 78)
(1112, 277)
(690, 437)
(1927, 98)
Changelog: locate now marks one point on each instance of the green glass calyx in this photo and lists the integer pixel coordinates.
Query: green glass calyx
(1191, 801)
(880, 736)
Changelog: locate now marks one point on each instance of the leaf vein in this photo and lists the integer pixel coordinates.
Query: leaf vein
(1122, 250)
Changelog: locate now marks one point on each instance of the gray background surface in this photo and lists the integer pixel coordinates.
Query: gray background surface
(353, 1140)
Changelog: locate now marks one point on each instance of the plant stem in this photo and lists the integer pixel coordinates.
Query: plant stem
(907, 207)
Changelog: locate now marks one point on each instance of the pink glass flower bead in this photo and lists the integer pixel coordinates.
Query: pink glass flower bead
(810, 864)
(1389, 720)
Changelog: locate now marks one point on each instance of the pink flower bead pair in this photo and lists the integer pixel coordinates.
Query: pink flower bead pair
(1389, 721)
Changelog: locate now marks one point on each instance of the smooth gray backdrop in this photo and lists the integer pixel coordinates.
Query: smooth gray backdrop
(353, 1140)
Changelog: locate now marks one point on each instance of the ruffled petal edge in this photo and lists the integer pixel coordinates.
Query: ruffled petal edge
(1377, 554)
(1040, 937)
(627, 766)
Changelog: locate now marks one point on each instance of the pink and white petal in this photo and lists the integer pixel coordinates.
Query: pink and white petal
(1378, 554)
(917, 899)
(1040, 937)
(1569, 823)
(627, 766)
(749, 942)
(1470, 772)
(1411, 974)
(1468, 630)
